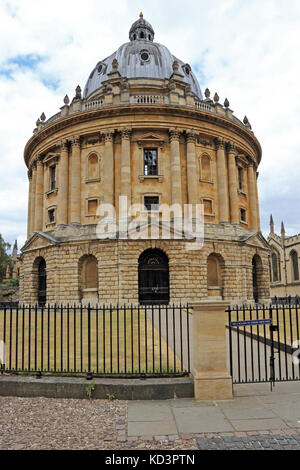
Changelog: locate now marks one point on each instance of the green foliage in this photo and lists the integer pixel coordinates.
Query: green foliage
(90, 389)
(111, 396)
(11, 283)
(7, 293)
(5, 259)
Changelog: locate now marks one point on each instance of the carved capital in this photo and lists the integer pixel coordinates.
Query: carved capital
(39, 160)
(231, 148)
(29, 174)
(108, 135)
(126, 133)
(64, 145)
(219, 144)
(174, 134)
(191, 137)
(76, 141)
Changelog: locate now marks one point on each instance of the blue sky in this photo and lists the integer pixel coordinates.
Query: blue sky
(246, 51)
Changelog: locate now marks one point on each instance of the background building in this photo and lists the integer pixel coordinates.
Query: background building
(142, 129)
(284, 263)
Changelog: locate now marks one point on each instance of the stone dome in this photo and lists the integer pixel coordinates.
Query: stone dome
(141, 58)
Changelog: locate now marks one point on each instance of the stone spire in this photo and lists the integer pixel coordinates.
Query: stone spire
(271, 224)
(15, 251)
(282, 233)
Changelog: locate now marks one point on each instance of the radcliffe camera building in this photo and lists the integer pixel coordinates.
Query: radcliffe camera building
(142, 129)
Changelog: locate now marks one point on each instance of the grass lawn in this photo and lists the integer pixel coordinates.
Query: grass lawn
(58, 341)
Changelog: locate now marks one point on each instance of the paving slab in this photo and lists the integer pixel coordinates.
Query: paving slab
(152, 428)
(201, 420)
(247, 413)
(258, 424)
(149, 411)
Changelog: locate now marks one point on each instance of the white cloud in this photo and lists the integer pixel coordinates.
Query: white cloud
(247, 51)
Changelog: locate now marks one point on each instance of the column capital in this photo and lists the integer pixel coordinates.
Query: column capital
(231, 148)
(29, 174)
(191, 136)
(39, 160)
(64, 145)
(219, 143)
(126, 133)
(108, 135)
(174, 134)
(76, 141)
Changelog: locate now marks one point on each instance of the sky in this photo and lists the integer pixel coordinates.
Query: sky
(247, 51)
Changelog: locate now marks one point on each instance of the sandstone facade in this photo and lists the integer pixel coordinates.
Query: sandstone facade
(96, 149)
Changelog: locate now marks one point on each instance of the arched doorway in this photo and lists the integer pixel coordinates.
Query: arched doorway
(154, 285)
(42, 282)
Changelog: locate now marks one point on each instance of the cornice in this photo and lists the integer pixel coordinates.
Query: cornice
(136, 110)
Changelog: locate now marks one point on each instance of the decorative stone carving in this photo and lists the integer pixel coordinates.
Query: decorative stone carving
(66, 100)
(216, 98)
(174, 134)
(76, 141)
(43, 117)
(226, 103)
(78, 93)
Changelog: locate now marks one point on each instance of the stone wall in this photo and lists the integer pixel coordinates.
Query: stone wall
(118, 269)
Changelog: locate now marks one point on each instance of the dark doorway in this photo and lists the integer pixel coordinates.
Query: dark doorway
(254, 280)
(42, 282)
(154, 286)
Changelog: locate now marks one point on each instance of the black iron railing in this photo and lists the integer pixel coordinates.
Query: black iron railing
(264, 343)
(99, 340)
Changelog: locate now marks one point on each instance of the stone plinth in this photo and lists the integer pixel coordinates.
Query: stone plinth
(211, 378)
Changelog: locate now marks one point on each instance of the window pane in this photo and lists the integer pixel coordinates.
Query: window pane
(150, 162)
(151, 203)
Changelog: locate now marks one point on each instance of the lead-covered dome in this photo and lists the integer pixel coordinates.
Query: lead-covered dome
(141, 58)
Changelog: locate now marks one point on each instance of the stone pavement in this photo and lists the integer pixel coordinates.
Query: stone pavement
(255, 419)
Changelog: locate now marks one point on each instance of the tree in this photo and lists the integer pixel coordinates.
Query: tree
(5, 259)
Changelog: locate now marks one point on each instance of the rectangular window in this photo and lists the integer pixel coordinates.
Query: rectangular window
(243, 215)
(151, 203)
(150, 162)
(51, 214)
(92, 206)
(52, 177)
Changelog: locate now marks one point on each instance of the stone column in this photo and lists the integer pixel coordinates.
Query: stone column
(39, 195)
(175, 167)
(75, 181)
(29, 204)
(32, 198)
(252, 196)
(63, 185)
(126, 165)
(192, 183)
(233, 188)
(257, 201)
(222, 181)
(212, 380)
(109, 168)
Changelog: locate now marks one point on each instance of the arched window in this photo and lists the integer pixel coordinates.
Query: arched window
(257, 278)
(275, 267)
(93, 167)
(88, 277)
(142, 35)
(205, 168)
(295, 265)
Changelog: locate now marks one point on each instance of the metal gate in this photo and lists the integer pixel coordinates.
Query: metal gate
(264, 343)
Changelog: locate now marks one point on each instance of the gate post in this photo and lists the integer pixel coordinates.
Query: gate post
(212, 380)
